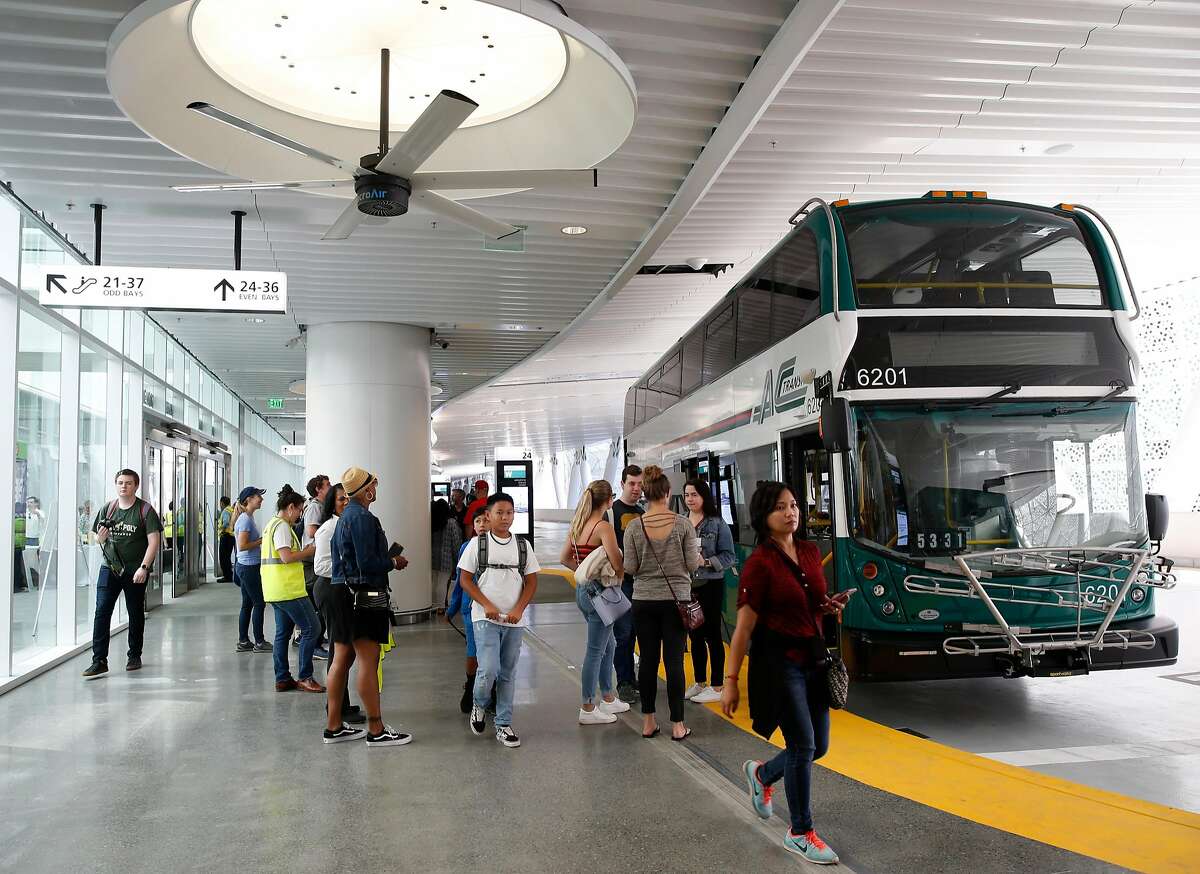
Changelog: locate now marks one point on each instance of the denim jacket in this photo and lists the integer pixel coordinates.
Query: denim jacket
(359, 549)
(716, 543)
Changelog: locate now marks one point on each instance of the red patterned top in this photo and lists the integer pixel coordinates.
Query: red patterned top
(786, 595)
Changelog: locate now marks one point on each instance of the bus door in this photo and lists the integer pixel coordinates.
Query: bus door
(705, 466)
(806, 473)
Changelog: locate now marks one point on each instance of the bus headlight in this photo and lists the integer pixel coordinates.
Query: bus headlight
(888, 608)
(1138, 595)
(879, 591)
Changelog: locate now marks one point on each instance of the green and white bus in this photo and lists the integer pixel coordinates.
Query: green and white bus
(948, 384)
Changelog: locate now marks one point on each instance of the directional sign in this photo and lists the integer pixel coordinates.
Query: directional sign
(157, 288)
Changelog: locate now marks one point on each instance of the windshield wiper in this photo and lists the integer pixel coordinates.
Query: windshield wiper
(1118, 386)
(1010, 389)
(999, 480)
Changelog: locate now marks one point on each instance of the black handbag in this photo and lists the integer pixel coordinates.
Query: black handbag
(368, 599)
(837, 679)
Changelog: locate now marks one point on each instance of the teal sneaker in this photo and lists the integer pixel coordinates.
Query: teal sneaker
(760, 795)
(810, 847)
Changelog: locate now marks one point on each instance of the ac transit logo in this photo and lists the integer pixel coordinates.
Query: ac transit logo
(780, 396)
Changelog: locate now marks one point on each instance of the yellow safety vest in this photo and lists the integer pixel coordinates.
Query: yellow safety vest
(280, 582)
(225, 521)
(169, 523)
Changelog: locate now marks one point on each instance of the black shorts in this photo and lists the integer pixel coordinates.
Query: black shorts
(343, 623)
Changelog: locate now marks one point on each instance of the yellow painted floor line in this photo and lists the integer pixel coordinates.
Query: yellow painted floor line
(1130, 832)
(567, 575)
(1104, 825)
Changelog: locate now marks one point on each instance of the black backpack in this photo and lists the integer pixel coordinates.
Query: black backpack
(481, 557)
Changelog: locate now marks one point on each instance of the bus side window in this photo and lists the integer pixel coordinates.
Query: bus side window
(797, 285)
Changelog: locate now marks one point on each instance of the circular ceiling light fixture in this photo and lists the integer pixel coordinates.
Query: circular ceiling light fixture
(330, 51)
(574, 230)
(548, 80)
(435, 390)
(1059, 149)
(298, 387)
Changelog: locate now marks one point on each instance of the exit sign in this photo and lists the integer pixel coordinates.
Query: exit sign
(274, 403)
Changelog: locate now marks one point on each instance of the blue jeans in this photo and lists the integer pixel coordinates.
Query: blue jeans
(601, 646)
(804, 718)
(108, 589)
(289, 615)
(469, 631)
(249, 580)
(499, 647)
(623, 632)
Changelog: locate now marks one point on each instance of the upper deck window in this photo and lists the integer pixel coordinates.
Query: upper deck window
(940, 254)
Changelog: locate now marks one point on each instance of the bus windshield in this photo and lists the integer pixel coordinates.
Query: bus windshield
(965, 254)
(944, 481)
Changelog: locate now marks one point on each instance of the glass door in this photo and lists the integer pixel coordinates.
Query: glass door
(182, 519)
(209, 531)
(152, 492)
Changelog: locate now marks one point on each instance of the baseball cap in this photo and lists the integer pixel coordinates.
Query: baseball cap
(249, 492)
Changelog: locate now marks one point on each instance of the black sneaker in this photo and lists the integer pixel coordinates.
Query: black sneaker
(244, 646)
(468, 692)
(133, 664)
(478, 720)
(98, 669)
(628, 693)
(389, 737)
(506, 736)
(263, 647)
(342, 734)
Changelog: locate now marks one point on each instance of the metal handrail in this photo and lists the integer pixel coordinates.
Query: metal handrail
(833, 246)
(1137, 308)
(1114, 638)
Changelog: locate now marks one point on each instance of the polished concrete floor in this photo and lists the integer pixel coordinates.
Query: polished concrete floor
(197, 764)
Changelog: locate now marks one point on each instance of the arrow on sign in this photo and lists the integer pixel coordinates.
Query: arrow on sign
(52, 282)
(224, 287)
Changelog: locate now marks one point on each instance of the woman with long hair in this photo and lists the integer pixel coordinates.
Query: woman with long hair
(782, 599)
(708, 587)
(661, 551)
(590, 530)
(331, 601)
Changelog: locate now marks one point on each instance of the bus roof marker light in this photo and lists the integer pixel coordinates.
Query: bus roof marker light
(842, 202)
(870, 570)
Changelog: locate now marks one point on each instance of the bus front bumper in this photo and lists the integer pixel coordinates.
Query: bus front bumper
(886, 657)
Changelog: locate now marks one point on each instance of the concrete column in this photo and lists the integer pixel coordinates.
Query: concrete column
(367, 390)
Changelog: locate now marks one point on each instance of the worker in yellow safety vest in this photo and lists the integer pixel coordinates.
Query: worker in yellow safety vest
(226, 541)
(283, 588)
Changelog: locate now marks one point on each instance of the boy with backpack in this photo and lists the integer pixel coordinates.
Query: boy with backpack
(499, 572)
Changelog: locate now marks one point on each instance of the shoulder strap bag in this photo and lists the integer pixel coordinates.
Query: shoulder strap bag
(690, 612)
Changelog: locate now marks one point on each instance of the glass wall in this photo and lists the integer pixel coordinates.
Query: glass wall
(39, 428)
(81, 384)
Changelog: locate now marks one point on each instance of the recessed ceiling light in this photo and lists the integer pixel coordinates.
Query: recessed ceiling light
(1059, 149)
(574, 230)
(255, 320)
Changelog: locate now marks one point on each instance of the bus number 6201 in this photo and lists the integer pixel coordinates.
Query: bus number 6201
(882, 376)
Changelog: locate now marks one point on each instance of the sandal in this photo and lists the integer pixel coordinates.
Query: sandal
(654, 733)
(686, 735)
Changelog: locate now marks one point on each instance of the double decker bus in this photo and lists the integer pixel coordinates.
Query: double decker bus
(948, 385)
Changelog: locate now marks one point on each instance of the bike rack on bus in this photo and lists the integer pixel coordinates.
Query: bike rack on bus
(1137, 308)
(1069, 568)
(833, 249)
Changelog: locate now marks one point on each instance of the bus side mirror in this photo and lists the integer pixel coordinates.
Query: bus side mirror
(1157, 516)
(836, 425)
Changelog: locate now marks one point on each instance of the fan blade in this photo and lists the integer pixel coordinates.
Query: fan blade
(463, 215)
(264, 186)
(482, 180)
(270, 136)
(350, 219)
(440, 119)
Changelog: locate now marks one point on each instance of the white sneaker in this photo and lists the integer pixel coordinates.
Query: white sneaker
(707, 696)
(595, 717)
(614, 706)
(694, 690)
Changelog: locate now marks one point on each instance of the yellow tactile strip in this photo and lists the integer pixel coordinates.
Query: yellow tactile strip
(1114, 828)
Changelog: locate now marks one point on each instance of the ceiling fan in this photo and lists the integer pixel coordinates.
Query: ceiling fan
(385, 181)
